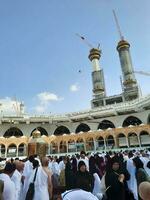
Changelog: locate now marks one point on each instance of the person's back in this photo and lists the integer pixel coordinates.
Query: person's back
(43, 186)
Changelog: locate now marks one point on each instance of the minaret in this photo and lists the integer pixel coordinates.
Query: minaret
(97, 78)
(131, 90)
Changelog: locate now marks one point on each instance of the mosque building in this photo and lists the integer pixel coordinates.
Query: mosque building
(119, 121)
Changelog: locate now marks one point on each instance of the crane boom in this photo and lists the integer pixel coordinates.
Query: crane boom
(85, 40)
(142, 72)
(118, 26)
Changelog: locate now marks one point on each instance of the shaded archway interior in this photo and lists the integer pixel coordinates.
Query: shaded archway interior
(105, 124)
(13, 132)
(131, 121)
(82, 127)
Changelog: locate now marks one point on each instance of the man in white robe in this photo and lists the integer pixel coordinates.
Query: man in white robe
(28, 169)
(132, 183)
(145, 159)
(43, 184)
(17, 179)
(9, 186)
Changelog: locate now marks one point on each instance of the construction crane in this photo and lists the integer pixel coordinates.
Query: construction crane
(85, 40)
(142, 73)
(118, 26)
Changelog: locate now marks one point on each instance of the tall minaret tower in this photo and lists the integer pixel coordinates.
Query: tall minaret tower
(130, 89)
(97, 78)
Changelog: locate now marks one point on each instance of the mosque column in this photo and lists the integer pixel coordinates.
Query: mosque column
(138, 136)
(58, 148)
(115, 140)
(127, 141)
(49, 149)
(94, 145)
(85, 145)
(67, 146)
(24, 150)
(76, 146)
(105, 146)
(17, 151)
(5, 152)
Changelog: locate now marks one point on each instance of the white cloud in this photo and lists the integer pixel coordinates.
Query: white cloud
(74, 87)
(47, 96)
(44, 100)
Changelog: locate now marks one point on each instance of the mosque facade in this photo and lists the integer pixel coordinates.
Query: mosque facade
(119, 121)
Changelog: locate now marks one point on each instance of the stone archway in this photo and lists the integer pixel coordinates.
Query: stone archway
(13, 131)
(54, 148)
(133, 140)
(131, 120)
(12, 150)
(82, 127)
(2, 150)
(61, 130)
(105, 124)
(100, 143)
(62, 147)
(110, 142)
(121, 141)
(89, 144)
(22, 149)
(71, 146)
(80, 145)
(144, 138)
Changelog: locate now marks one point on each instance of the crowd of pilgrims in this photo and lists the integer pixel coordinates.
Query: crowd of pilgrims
(112, 176)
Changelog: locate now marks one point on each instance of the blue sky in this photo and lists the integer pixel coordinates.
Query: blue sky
(40, 55)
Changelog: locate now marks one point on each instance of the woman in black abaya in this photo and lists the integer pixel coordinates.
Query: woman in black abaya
(115, 181)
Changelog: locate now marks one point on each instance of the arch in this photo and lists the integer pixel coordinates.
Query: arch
(61, 130)
(22, 149)
(62, 147)
(12, 150)
(13, 131)
(42, 131)
(110, 143)
(54, 148)
(71, 146)
(80, 145)
(144, 138)
(121, 140)
(82, 127)
(100, 143)
(133, 139)
(105, 124)
(89, 144)
(3, 149)
(131, 120)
